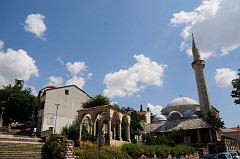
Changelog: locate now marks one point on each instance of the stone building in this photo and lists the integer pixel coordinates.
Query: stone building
(58, 107)
(105, 120)
(186, 113)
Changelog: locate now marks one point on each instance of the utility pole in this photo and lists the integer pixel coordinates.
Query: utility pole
(57, 105)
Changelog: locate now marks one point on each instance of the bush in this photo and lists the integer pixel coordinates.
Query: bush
(133, 150)
(150, 151)
(163, 151)
(89, 150)
(52, 149)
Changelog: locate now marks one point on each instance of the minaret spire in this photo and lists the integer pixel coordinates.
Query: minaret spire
(195, 51)
(198, 66)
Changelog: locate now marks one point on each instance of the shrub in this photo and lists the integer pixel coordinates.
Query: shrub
(150, 151)
(133, 150)
(90, 151)
(52, 149)
(163, 151)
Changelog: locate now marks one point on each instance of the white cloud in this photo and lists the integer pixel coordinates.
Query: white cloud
(76, 80)
(76, 76)
(89, 76)
(16, 64)
(76, 67)
(224, 77)
(1, 44)
(215, 24)
(155, 109)
(55, 81)
(60, 60)
(35, 24)
(130, 81)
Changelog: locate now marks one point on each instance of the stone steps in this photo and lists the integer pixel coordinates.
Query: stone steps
(20, 154)
(20, 147)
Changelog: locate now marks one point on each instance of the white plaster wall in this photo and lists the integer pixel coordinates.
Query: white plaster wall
(69, 104)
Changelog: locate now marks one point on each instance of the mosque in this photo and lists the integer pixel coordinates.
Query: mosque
(185, 113)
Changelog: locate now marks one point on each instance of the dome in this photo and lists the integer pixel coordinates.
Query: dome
(159, 117)
(182, 101)
(175, 115)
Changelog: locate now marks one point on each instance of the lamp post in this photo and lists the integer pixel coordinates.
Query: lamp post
(57, 105)
(2, 112)
(1, 119)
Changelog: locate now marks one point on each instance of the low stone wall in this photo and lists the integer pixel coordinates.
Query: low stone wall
(68, 149)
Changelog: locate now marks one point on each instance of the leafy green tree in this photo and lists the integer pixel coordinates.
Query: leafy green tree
(98, 100)
(236, 89)
(22, 106)
(177, 136)
(135, 126)
(214, 120)
(19, 104)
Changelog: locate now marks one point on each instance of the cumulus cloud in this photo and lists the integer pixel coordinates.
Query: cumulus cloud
(134, 79)
(55, 81)
(155, 109)
(35, 24)
(16, 64)
(76, 80)
(224, 77)
(76, 77)
(76, 67)
(215, 24)
(1, 44)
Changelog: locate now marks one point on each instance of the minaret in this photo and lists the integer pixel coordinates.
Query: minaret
(198, 66)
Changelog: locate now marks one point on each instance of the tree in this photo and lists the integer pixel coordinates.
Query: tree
(98, 100)
(236, 89)
(135, 126)
(19, 104)
(214, 120)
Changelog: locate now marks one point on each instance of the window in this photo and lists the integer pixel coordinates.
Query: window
(66, 91)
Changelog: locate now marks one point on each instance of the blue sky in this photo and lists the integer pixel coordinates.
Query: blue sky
(135, 52)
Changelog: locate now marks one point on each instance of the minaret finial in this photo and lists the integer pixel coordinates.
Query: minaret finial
(141, 108)
(195, 51)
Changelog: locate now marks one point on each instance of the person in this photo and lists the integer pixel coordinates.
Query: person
(34, 131)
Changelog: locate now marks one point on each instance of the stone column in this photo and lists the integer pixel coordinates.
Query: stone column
(109, 129)
(94, 128)
(80, 131)
(114, 132)
(128, 132)
(120, 130)
(198, 137)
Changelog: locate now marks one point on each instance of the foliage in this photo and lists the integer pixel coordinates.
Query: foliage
(180, 150)
(162, 151)
(173, 138)
(214, 119)
(177, 136)
(89, 150)
(20, 104)
(150, 139)
(133, 150)
(86, 135)
(135, 125)
(98, 100)
(52, 149)
(236, 89)
(71, 131)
